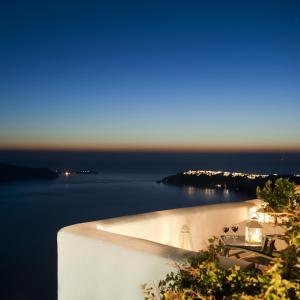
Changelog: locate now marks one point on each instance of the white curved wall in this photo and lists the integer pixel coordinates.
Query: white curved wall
(110, 259)
(165, 226)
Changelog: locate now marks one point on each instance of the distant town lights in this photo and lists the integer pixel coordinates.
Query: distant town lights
(233, 174)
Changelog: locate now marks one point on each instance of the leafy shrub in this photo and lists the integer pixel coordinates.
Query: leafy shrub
(279, 196)
(201, 277)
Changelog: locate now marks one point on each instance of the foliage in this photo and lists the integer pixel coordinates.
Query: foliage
(279, 196)
(201, 277)
(275, 286)
(291, 255)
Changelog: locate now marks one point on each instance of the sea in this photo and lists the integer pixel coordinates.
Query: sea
(32, 212)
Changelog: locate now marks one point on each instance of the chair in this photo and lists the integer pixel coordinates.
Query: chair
(262, 257)
(226, 263)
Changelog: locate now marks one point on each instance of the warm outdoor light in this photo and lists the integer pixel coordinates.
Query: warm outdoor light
(185, 238)
(253, 232)
(263, 216)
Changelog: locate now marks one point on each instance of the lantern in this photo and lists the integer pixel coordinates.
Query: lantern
(253, 232)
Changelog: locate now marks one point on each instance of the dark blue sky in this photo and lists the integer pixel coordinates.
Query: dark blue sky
(150, 74)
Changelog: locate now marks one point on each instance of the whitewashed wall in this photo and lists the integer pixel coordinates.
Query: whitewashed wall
(165, 226)
(110, 259)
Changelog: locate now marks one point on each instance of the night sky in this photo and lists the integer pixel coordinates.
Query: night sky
(150, 75)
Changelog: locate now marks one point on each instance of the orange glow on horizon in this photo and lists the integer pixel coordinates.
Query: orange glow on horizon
(151, 148)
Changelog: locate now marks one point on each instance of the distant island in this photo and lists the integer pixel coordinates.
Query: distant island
(11, 173)
(243, 182)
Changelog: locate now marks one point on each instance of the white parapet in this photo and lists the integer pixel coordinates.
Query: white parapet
(110, 259)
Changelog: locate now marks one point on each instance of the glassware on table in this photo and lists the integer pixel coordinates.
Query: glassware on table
(226, 230)
(234, 228)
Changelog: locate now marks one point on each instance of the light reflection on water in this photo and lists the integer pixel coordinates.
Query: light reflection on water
(40, 209)
(207, 193)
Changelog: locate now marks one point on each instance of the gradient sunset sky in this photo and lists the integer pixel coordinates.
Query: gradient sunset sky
(150, 75)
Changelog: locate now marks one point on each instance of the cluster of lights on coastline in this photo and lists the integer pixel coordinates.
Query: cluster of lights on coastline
(208, 173)
(233, 174)
(68, 173)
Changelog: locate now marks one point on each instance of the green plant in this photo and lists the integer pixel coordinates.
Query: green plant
(200, 277)
(207, 281)
(291, 255)
(279, 196)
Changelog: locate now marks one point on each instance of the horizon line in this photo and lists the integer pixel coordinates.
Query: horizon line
(156, 149)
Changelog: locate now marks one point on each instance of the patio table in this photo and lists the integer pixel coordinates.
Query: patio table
(238, 241)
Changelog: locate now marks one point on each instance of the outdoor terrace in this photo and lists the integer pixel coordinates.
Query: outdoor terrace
(110, 259)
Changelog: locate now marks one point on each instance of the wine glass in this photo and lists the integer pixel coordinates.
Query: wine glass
(234, 228)
(225, 230)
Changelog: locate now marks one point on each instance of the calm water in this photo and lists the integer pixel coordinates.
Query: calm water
(32, 212)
